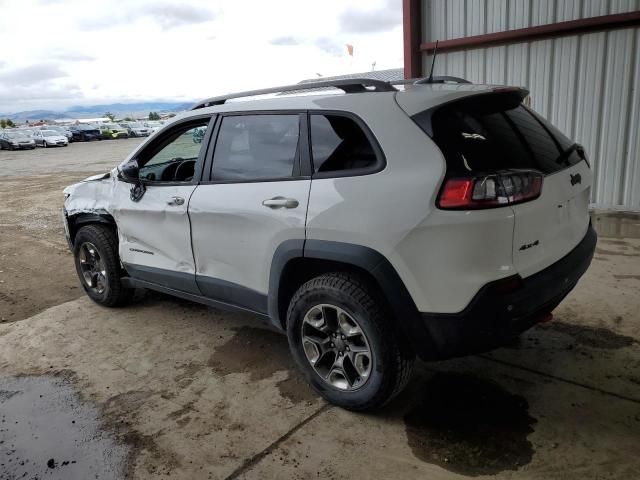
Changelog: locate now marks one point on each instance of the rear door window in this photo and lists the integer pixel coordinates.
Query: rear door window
(495, 132)
(256, 147)
(339, 144)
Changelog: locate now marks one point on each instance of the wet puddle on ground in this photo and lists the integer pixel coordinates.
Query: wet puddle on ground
(616, 224)
(46, 431)
(594, 337)
(261, 353)
(470, 426)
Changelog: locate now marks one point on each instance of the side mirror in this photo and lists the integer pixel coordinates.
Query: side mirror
(130, 171)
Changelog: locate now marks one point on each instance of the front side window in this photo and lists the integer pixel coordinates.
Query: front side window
(338, 143)
(256, 147)
(172, 158)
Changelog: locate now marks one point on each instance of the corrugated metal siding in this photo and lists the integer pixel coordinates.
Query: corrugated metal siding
(587, 85)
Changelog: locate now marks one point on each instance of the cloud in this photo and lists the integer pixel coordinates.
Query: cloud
(166, 15)
(68, 56)
(169, 15)
(380, 19)
(99, 60)
(330, 46)
(32, 75)
(285, 41)
(14, 98)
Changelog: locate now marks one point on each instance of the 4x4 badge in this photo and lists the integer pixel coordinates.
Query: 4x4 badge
(529, 245)
(577, 178)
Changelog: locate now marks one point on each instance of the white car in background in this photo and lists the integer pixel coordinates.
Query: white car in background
(136, 129)
(49, 138)
(154, 126)
(59, 130)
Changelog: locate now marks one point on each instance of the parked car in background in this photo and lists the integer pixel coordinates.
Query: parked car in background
(198, 135)
(26, 131)
(154, 126)
(136, 129)
(60, 130)
(85, 133)
(49, 138)
(16, 140)
(112, 130)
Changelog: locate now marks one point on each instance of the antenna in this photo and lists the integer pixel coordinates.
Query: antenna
(433, 62)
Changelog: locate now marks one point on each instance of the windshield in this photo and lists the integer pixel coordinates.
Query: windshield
(15, 135)
(49, 133)
(87, 127)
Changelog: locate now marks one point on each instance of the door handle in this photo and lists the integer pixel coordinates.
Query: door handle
(281, 202)
(175, 200)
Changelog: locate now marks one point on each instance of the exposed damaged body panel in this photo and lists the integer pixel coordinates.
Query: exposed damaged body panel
(152, 233)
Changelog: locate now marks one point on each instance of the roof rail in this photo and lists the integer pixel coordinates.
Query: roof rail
(349, 85)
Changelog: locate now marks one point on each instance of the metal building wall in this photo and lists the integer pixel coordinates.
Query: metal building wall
(587, 85)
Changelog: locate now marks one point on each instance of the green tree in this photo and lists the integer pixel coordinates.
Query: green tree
(110, 116)
(128, 119)
(3, 123)
(10, 123)
(154, 116)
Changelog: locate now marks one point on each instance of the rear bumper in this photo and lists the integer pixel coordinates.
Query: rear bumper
(507, 307)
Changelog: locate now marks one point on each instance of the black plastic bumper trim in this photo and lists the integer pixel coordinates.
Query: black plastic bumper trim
(493, 316)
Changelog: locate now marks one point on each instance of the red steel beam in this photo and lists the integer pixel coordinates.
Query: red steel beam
(412, 36)
(572, 27)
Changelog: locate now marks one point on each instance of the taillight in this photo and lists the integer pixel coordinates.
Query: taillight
(490, 191)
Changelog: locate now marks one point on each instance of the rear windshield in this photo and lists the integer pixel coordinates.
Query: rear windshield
(495, 132)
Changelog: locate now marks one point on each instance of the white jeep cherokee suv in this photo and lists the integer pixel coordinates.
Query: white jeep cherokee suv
(372, 226)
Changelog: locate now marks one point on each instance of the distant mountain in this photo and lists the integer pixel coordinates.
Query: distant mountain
(33, 115)
(129, 107)
(140, 109)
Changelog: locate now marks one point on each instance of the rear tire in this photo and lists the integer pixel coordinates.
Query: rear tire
(343, 341)
(98, 266)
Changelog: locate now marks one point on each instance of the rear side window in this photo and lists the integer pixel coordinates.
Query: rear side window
(339, 144)
(256, 147)
(496, 132)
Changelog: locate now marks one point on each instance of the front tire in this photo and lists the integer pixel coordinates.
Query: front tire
(97, 264)
(342, 339)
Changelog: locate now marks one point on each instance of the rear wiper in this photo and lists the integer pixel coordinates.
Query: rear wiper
(576, 147)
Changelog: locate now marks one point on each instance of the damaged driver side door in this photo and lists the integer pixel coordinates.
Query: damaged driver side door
(151, 202)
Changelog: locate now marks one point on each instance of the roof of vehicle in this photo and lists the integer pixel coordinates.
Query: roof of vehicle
(413, 98)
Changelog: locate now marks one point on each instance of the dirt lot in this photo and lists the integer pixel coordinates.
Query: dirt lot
(173, 389)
